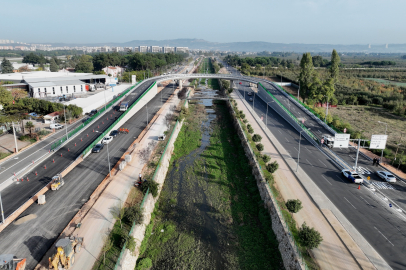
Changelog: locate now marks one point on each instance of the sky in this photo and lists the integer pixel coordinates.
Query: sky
(276, 21)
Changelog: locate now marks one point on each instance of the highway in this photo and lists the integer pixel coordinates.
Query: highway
(33, 239)
(382, 228)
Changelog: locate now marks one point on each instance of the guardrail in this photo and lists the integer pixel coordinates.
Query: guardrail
(116, 121)
(73, 132)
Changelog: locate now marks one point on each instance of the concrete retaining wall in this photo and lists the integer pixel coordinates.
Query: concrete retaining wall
(129, 259)
(286, 247)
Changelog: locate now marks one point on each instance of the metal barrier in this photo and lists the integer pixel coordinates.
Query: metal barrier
(73, 132)
(116, 121)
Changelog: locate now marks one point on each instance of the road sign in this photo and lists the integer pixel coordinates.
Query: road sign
(322, 141)
(112, 84)
(341, 140)
(369, 177)
(345, 130)
(390, 205)
(378, 141)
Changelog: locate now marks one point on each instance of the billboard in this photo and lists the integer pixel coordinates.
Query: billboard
(341, 140)
(133, 77)
(378, 141)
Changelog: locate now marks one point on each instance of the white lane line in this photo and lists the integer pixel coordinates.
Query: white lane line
(365, 201)
(308, 149)
(323, 163)
(296, 149)
(286, 139)
(279, 131)
(384, 236)
(349, 202)
(339, 177)
(351, 157)
(309, 162)
(326, 179)
(319, 131)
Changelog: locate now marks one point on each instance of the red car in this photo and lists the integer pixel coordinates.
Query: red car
(240, 83)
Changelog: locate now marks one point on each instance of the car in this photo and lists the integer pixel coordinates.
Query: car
(240, 82)
(251, 99)
(85, 119)
(387, 176)
(92, 112)
(107, 139)
(97, 148)
(353, 176)
(250, 93)
(114, 133)
(55, 126)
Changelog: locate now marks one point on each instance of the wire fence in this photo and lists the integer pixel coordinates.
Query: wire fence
(116, 121)
(89, 120)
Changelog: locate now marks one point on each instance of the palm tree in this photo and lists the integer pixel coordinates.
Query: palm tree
(29, 125)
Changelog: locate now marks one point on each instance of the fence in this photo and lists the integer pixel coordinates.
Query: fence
(116, 121)
(291, 115)
(73, 132)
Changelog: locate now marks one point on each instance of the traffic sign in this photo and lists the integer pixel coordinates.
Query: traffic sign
(341, 140)
(369, 177)
(345, 130)
(378, 141)
(390, 205)
(322, 141)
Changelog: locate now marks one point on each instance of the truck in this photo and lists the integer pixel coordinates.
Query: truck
(11, 262)
(123, 106)
(57, 182)
(353, 176)
(65, 249)
(328, 140)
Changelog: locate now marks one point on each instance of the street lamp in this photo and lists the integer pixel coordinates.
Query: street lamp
(298, 92)
(386, 127)
(64, 116)
(2, 213)
(15, 139)
(266, 117)
(253, 102)
(108, 159)
(298, 154)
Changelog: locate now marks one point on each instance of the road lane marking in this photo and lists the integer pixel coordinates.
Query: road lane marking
(319, 131)
(351, 157)
(323, 163)
(308, 149)
(296, 149)
(279, 131)
(326, 179)
(286, 139)
(339, 177)
(365, 201)
(350, 203)
(309, 162)
(384, 236)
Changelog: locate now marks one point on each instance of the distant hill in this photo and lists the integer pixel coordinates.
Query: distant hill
(254, 46)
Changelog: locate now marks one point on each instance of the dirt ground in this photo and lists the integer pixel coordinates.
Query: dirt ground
(7, 144)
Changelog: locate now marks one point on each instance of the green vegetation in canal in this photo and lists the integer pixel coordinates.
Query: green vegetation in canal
(210, 213)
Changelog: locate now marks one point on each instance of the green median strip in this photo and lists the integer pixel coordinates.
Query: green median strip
(115, 122)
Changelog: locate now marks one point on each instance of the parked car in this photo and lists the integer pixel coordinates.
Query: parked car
(387, 176)
(114, 133)
(107, 139)
(55, 126)
(251, 99)
(250, 93)
(352, 176)
(85, 119)
(97, 148)
(92, 112)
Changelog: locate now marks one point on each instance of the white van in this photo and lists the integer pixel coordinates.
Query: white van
(55, 126)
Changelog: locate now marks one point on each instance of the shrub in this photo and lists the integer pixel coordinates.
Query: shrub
(24, 138)
(250, 129)
(256, 138)
(294, 206)
(242, 116)
(309, 237)
(266, 158)
(245, 121)
(230, 90)
(144, 263)
(134, 214)
(272, 167)
(260, 147)
(153, 187)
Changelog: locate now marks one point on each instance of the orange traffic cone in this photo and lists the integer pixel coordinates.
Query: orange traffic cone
(359, 186)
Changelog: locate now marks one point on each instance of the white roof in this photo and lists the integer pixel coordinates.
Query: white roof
(55, 83)
(46, 76)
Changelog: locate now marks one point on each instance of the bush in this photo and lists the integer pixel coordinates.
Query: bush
(24, 138)
(272, 167)
(153, 187)
(294, 206)
(260, 147)
(309, 237)
(144, 263)
(256, 138)
(250, 129)
(266, 158)
(134, 214)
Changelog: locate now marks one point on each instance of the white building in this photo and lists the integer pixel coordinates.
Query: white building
(143, 49)
(155, 49)
(114, 71)
(128, 49)
(168, 49)
(117, 49)
(182, 49)
(105, 49)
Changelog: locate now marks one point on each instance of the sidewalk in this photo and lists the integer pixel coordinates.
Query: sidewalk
(332, 253)
(99, 220)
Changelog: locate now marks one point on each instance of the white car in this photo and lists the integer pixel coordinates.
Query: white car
(56, 126)
(107, 139)
(387, 176)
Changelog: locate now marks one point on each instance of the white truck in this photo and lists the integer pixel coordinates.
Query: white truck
(123, 106)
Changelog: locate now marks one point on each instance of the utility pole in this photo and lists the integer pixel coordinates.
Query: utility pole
(108, 159)
(253, 103)
(266, 117)
(298, 92)
(356, 158)
(66, 126)
(2, 213)
(386, 127)
(15, 139)
(298, 154)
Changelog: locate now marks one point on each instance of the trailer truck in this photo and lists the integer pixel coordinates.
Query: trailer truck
(123, 106)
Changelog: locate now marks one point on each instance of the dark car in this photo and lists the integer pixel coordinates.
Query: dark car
(97, 148)
(93, 112)
(114, 133)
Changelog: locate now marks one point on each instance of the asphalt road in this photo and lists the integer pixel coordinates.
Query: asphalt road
(383, 228)
(25, 157)
(33, 239)
(19, 192)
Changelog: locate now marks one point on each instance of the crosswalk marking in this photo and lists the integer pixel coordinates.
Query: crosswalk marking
(382, 185)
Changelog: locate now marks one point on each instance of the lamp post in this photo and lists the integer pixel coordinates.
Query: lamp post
(15, 139)
(64, 116)
(266, 117)
(108, 159)
(386, 128)
(298, 154)
(2, 213)
(298, 92)
(253, 102)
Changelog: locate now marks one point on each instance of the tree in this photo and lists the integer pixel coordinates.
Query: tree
(31, 59)
(260, 147)
(266, 158)
(256, 138)
(334, 68)
(118, 214)
(85, 64)
(309, 237)
(29, 125)
(306, 75)
(23, 69)
(6, 66)
(5, 96)
(294, 206)
(107, 246)
(272, 167)
(53, 66)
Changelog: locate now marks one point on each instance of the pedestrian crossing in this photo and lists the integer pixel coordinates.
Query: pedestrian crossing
(382, 185)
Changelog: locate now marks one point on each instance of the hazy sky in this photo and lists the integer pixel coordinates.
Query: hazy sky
(281, 21)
